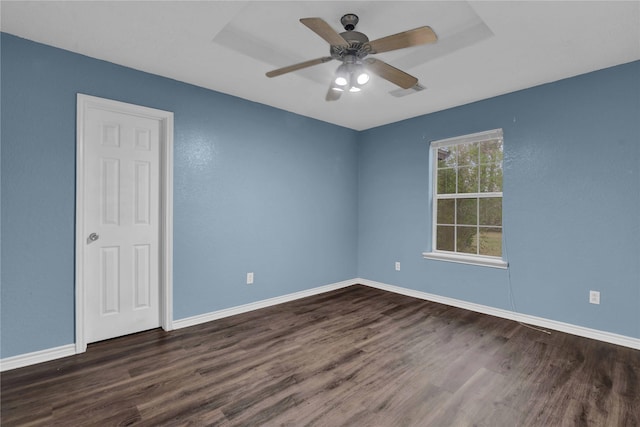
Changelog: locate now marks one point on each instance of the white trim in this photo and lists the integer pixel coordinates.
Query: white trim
(215, 315)
(166, 224)
(471, 259)
(27, 359)
(41, 356)
(166, 207)
(470, 138)
(506, 314)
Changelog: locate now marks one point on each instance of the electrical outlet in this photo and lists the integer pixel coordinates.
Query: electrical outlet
(594, 297)
(249, 278)
(397, 265)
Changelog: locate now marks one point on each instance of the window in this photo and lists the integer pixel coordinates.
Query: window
(467, 199)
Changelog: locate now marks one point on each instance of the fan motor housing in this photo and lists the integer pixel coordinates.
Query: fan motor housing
(357, 42)
(357, 48)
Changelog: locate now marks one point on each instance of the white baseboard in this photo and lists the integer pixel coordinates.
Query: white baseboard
(214, 315)
(41, 356)
(27, 359)
(511, 315)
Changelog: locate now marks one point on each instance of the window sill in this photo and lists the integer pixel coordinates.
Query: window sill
(467, 259)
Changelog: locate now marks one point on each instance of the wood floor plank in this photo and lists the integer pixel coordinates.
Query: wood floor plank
(356, 356)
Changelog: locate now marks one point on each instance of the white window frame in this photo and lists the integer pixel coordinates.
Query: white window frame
(482, 260)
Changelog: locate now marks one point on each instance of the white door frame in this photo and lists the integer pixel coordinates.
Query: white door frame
(166, 207)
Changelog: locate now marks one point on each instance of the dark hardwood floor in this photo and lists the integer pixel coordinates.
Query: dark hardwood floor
(353, 357)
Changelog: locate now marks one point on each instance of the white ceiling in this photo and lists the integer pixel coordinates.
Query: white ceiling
(485, 48)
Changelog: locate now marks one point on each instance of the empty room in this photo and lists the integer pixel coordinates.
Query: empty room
(319, 213)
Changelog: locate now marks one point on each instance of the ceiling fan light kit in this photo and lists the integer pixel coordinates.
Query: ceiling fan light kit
(350, 75)
(351, 47)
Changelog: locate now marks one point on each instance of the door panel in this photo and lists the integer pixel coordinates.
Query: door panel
(121, 206)
(142, 279)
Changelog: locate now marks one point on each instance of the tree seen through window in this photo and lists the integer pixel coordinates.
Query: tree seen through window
(468, 195)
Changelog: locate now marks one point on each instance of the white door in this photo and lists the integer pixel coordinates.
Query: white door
(121, 230)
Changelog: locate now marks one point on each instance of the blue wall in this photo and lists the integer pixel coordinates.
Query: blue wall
(571, 201)
(256, 189)
(303, 203)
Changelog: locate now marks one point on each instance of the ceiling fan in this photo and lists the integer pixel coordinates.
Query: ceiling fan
(352, 47)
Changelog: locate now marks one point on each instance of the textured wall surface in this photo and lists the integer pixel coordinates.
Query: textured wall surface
(255, 189)
(571, 201)
(302, 203)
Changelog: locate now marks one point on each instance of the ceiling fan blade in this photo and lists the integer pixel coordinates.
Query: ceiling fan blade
(324, 30)
(415, 37)
(332, 94)
(298, 66)
(394, 75)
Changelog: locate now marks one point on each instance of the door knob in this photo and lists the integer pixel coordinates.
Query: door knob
(93, 237)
